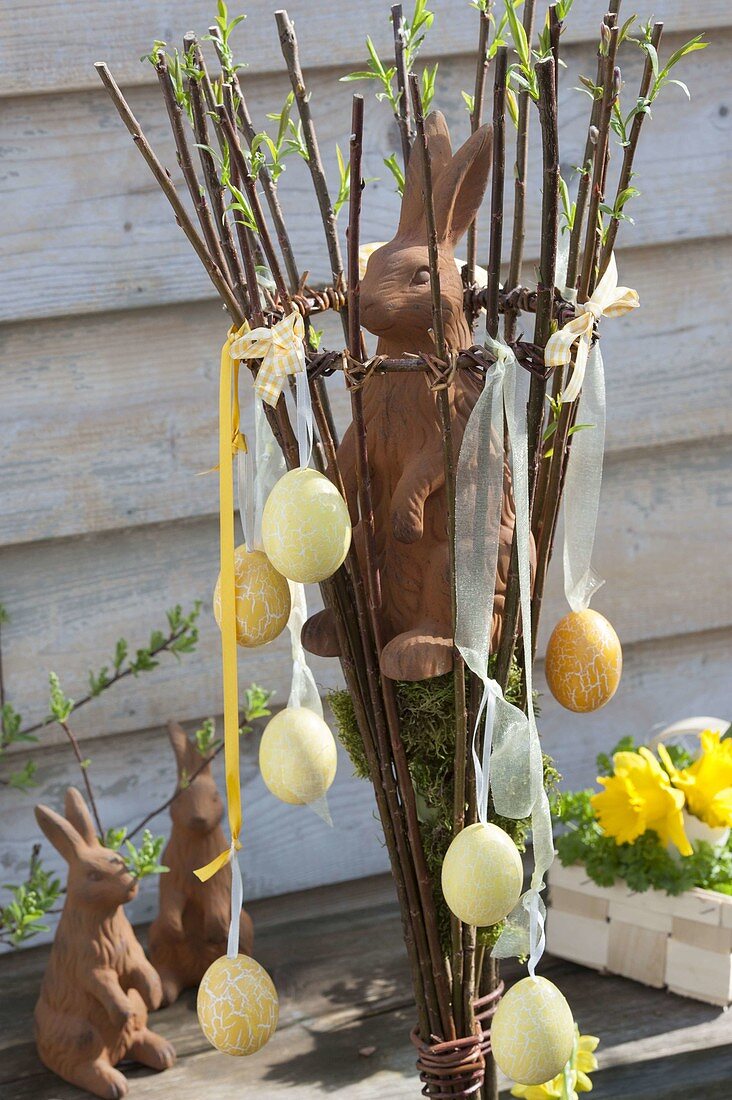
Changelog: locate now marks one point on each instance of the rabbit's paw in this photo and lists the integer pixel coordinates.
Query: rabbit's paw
(417, 654)
(101, 1079)
(153, 1051)
(319, 635)
(407, 524)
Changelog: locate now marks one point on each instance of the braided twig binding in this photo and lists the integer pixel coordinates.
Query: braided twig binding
(455, 1070)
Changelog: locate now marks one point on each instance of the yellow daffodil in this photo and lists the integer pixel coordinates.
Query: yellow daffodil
(573, 1079)
(637, 797)
(707, 783)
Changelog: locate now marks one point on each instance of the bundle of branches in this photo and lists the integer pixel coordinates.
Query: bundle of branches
(421, 773)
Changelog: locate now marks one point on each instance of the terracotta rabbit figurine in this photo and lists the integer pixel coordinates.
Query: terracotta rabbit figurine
(192, 927)
(404, 431)
(98, 986)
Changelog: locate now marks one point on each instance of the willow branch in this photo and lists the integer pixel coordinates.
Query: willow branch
(404, 112)
(168, 188)
(84, 768)
(626, 168)
(476, 121)
(497, 185)
(519, 203)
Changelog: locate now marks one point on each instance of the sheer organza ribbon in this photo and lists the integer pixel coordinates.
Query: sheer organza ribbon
(583, 479)
(510, 766)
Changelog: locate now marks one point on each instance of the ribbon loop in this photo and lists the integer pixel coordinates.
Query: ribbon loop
(607, 300)
(282, 351)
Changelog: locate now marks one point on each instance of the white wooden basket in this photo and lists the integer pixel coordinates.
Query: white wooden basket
(683, 943)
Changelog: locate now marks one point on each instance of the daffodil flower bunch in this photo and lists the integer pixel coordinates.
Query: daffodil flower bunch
(643, 793)
(574, 1078)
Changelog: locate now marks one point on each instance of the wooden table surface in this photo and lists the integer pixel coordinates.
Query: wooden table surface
(337, 959)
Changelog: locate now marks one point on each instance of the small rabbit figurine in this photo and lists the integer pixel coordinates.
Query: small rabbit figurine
(404, 430)
(98, 986)
(191, 929)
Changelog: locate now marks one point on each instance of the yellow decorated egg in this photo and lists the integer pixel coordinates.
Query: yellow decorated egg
(262, 598)
(237, 1005)
(583, 661)
(297, 756)
(482, 875)
(532, 1032)
(306, 529)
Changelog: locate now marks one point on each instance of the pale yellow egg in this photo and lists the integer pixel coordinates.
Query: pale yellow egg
(482, 875)
(306, 529)
(297, 756)
(262, 598)
(532, 1032)
(237, 1005)
(584, 661)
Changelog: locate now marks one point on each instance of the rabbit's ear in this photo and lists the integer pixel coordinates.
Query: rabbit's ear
(78, 814)
(411, 219)
(460, 187)
(179, 741)
(60, 832)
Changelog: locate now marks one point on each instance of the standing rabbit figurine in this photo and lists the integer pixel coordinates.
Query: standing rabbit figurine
(403, 424)
(98, 986)
(191, 929)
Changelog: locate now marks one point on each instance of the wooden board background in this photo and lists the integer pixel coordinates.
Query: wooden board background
(108, 342)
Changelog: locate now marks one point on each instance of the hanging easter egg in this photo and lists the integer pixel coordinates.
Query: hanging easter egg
(306, 529)
(297, 756)
(237, 1005)
(583, 661)
(482, 875)
(532, 1032)
(262, 598)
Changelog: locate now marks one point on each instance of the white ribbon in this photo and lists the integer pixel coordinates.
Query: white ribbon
(511, 766)
(582, 487)
(237, 900)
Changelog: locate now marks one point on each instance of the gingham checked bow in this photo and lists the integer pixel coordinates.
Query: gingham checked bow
(281, 350)
(608, 300)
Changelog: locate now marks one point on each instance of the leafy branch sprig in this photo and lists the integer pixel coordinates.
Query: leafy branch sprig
(20, 918)
(224, 28)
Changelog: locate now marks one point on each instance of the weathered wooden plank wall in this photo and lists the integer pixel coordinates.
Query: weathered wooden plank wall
(109, 341)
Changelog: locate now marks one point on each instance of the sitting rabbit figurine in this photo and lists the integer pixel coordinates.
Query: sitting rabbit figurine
(403, 424)
(98, 986)
(192, 927)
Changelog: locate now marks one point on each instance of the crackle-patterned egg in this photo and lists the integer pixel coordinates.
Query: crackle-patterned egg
(306, 529)
(262, 598)
(532, 1032)
(237, 1005)
(297, 756)
(482, 875)
(583, 661)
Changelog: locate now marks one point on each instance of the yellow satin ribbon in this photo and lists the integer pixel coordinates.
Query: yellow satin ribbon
(281, 349)
(230, 438)
(607, 300)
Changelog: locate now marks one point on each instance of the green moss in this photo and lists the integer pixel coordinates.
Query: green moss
(341, 705)
(427, 721)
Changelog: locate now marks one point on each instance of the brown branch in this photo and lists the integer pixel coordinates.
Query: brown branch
(542, 331)
(519, 203)
(291, 54)
(404, 113)
(497, 186)
(443, 398)
(84, 768)
(168, 188)
(626, 168)
(476, 121)
(593, 234)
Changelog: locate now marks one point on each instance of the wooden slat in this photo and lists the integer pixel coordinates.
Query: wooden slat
(70, 599)
(103, 238)
(70, 37)
(662, 681)
(285, 847)
(128, 406)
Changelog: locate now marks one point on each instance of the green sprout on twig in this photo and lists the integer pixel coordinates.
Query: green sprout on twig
(20, 918)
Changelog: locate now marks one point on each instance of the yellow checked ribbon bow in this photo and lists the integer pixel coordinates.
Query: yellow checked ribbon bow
(608, 300)
(230, 439)
(281, 349)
